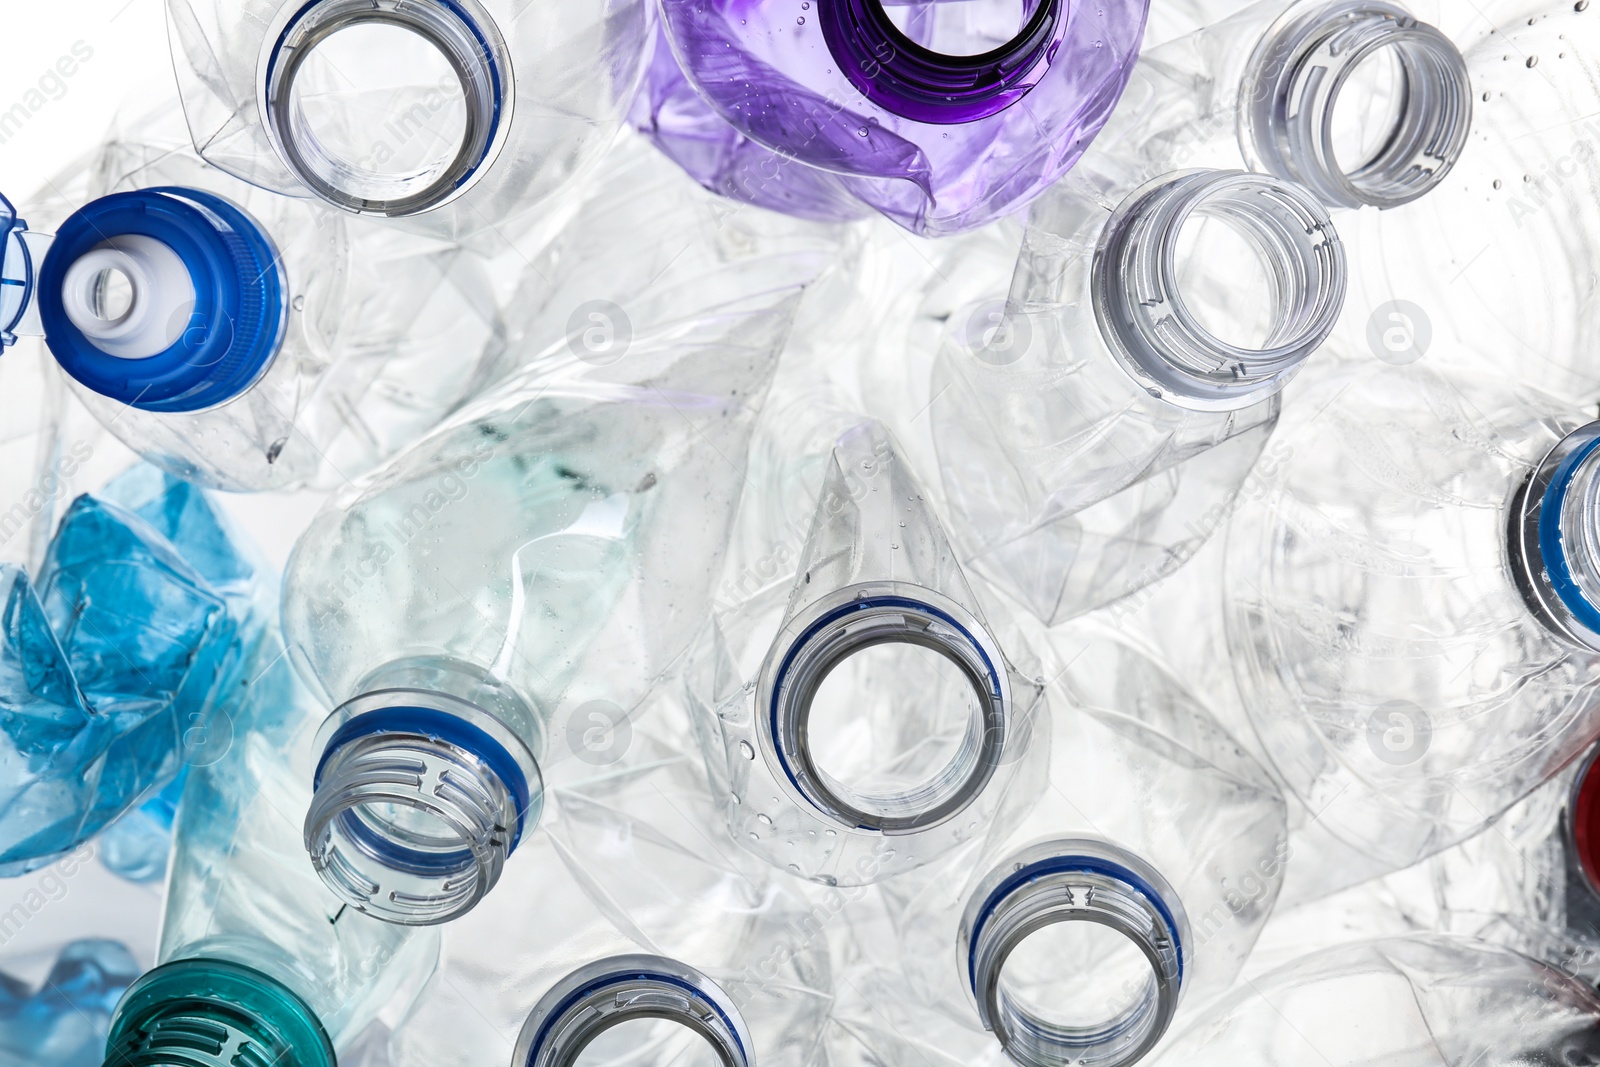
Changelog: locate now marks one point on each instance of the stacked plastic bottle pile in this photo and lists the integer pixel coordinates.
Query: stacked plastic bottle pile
(830, 533)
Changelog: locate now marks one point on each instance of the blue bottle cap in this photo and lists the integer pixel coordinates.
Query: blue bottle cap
(216, 346)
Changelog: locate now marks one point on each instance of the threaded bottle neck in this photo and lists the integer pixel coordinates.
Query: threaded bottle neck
(214, 1013)
(1042, 889)
(1294, 81)
(1156, 333)
(419, 799)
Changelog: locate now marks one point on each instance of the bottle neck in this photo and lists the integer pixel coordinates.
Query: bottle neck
(214, 1013)
(1079, 880)
(851, 620)
(1553, 541)
(609, 992)
(420, 796)
(1304, 64)
(1153, 329)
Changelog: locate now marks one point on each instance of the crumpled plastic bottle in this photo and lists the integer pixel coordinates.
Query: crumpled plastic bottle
(236, 338)
(1411, 605)
(1427, 1000)
(627, 929)
(941, 119)
(62, 1022)
(121, 661)
(1093, 424)
(549, 550)
(461, 119)
(256, 958)
(861, 711)
(1129, 896)
(684, 127)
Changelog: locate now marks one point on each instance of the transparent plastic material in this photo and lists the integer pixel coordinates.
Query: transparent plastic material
(118, 660)
(460, 119)
(256, 956)
(549, 550)
(941, 119)
(1130, 895)
(629, 931)
(62, 1021)
(1093, 424)
(1425, 1000)
(1410, 662)
(378, 334)
(684, 127)
(861, 713)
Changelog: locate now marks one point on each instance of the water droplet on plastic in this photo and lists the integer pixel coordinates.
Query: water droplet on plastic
(862, 130)
(1497, 183)
(801, 21)
(754, 836)
(831, 833)
(1533, 61)
(795, 867)
(746, 751)
(764, 819)
(299, 303)
(1581, 5)
(826, 879)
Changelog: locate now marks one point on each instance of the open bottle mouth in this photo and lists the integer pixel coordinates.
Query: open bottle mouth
(214, 1013)
(914, 81)
(1074, 951)
(1168, 337)
(621, 990)
(1322, 56)
(1553, 538)
(387, 107)
(848, 623)
(419, 799)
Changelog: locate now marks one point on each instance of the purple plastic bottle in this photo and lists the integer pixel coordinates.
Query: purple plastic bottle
(943, 115)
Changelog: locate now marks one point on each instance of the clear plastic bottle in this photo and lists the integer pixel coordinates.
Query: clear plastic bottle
(461, 119)
(862, 709)
(1411, 605)
(551, 546)
(1092, 427)
(1427, 1000)
(237, 338)
(118, 659)
(257, 961)
(654, 940)
(943, 119)
(1128, 897)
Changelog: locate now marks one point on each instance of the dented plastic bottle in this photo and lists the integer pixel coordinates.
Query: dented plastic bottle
(653, 942)
(1412, 609)
(1127, 898)
(461, 119)
(256, 958)
(240, 339)
(550, 547)
(62, 1021)
(862, 712)
(119, 659)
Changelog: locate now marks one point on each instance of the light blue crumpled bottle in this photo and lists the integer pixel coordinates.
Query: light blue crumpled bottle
(117, 664)
(62, 1022)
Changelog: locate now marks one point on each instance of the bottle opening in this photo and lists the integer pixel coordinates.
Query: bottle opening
(885, 713)
(1553, 538)
(130, 296)
(388, 107)
(961, 27)
(939, 62)
(214, 1013)
(419, 799)
(1358, 101)
(1165, 286)
(636, 1008)
(111, 295)
(1074, 951)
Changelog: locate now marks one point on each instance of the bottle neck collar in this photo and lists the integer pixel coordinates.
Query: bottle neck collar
(1151, 328)
(1289, 94)
(609, 992)
(1067, 881)
(1554, 538)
